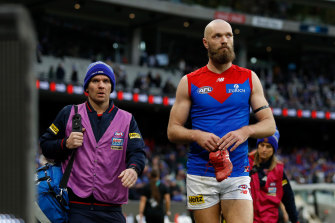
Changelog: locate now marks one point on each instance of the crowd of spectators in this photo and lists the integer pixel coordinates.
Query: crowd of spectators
(308, 165)
(144, 82)
(284, 88)
(302, 166)
(305, 87)
(302, 88)
(170, 160)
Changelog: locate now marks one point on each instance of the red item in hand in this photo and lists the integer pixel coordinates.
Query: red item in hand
(221, 163)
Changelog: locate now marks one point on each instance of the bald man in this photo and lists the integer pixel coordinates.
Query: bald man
(218, 98)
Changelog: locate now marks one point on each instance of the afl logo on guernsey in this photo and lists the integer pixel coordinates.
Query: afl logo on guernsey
(205, 90)
(118, 134)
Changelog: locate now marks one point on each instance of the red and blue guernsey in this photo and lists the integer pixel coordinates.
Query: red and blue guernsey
(220, 104)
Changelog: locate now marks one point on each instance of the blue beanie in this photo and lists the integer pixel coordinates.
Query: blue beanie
(99, 68)
(273, 140)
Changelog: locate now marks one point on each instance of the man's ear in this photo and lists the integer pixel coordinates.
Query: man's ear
(204, 41)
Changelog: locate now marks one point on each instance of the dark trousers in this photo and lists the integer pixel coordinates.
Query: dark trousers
(81, 213)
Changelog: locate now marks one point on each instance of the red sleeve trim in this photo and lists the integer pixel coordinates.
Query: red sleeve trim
(61, 144)
(250, 80)
(189, 85)
(88, 107)
(111, 109)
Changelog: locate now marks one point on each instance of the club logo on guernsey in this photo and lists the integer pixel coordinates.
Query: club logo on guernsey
(205, 90)
(272, 191)
(194, 200)
(234, 88)
(117, 144)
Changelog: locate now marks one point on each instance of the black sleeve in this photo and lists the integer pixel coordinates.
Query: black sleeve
(165, 189)
(288, 200)
(53, 141)
(146, 191)
(135, 156)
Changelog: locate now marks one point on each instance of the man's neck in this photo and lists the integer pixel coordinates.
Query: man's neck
(99, 108)
(218, 68)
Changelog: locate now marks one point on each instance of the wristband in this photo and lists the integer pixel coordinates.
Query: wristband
(134, 168)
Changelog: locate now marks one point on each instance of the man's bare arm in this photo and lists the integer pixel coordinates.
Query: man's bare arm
(264, 127)
(178, 115)
(177, 132)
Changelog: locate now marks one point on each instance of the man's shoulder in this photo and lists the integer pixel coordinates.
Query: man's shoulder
(123, 112)
(66, 109)
(62, 116)
(197, 72)
(241, 69)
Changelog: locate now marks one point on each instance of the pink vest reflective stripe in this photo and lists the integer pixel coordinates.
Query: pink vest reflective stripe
(97, 165)
(266, 199)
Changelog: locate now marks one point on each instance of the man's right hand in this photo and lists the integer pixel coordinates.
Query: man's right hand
(206, 140)
(75, 140)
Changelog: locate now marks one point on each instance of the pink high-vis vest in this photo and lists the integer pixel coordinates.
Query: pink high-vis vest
(97, 165)
(266, 199)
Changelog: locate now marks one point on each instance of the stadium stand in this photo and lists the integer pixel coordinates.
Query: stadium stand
(290, 84)
(132, 72)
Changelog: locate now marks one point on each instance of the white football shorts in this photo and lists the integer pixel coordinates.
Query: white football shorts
(204, 192)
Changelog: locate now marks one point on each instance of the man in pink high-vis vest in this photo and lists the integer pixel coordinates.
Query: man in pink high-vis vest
(109, 151)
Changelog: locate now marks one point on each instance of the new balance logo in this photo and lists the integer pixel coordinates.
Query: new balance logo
(220, 79)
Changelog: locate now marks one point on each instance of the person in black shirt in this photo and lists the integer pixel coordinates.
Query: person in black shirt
(152, 200)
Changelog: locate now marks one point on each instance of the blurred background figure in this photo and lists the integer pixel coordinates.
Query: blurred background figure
(74, 74)
(153, 197)
(60, 72)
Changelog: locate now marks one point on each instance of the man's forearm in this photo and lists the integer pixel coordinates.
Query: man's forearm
(180, 134)
(263, 128)
(54, 149)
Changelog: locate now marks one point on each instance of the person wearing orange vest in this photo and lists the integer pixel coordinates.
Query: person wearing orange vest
(269, 184)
